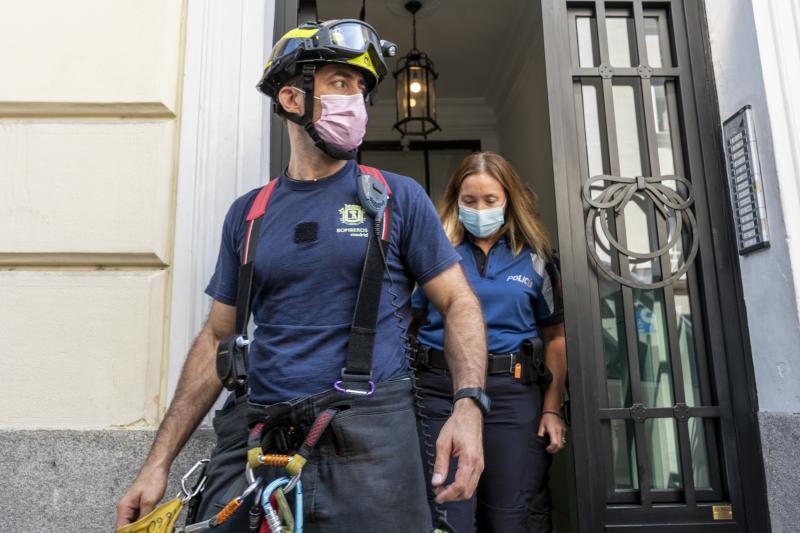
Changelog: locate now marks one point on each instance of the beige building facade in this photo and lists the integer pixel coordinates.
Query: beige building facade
(127, 127)
(89, 136)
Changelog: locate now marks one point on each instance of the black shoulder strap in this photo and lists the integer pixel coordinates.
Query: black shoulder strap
(357, 373)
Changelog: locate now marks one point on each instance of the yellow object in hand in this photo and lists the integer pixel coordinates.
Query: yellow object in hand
(162, 519)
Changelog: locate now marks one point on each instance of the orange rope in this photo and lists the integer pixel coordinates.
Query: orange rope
(228, 511)
(275, 460)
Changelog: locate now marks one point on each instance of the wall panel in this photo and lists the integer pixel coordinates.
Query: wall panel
(90, 51)
(86, 188)
(82, 350)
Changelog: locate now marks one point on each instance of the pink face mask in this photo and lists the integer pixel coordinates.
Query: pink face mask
(343, 122)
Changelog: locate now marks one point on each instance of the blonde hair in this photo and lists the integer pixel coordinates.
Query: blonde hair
(522, 222)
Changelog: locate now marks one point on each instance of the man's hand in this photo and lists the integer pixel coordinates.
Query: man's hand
(461, 437)
(554, 427)
(142, 497)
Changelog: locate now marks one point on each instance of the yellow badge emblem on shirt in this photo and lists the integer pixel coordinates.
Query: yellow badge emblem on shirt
(351, 214)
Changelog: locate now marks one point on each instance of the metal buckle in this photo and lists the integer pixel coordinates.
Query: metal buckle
(341, 387)
(511, 361)
(349, 379)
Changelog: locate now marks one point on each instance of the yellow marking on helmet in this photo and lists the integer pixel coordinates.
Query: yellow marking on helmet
(268, 63)
(363, 61)
(300, 33)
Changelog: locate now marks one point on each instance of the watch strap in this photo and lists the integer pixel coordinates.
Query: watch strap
(476, 394)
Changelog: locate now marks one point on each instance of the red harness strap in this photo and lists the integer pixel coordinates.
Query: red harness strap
(259, 207)
(257, 211)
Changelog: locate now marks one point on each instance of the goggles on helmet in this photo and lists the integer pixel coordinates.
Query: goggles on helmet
(346, 41)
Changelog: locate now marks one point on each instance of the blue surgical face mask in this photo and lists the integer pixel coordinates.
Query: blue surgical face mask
(481, 222)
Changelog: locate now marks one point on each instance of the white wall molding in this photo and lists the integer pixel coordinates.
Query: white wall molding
(222, 152)
(778, 32)
(754, 48)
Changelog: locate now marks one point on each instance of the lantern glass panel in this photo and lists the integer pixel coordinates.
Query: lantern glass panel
(418, 91)
(432, 95)
(401, 90)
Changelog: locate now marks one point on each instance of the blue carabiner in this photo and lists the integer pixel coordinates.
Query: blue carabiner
(298, 499)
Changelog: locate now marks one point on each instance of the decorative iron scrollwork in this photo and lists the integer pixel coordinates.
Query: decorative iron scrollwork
(611, 201)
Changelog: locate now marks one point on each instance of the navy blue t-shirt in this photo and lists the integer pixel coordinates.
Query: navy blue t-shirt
(518, 293)
(304, 292)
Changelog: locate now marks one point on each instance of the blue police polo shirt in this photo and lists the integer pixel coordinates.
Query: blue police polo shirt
(304, 289)
(518, 293)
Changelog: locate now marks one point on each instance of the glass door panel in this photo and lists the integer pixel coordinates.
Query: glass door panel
(615, 345)
(621, 41)
(654, 365)
(588, 52)
(700, 456)
(642, 235)
(662, 436)
(626, 475)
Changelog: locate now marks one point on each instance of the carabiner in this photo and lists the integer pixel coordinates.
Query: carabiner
(298, 499)
(187, 494)
(292, 482)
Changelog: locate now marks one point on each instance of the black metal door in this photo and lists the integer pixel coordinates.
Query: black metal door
(658, 437)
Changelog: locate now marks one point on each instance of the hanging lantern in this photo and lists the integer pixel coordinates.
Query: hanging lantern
(416, 87)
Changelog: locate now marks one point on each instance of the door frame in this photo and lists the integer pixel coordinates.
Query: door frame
(727, 325)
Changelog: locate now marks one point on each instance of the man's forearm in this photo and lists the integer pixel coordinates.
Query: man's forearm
(198, 388)
(465, 342)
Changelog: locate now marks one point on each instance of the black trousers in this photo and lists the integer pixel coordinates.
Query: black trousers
(365, 473)
(513, 494)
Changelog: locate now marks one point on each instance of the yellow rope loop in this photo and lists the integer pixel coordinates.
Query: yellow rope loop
(295, 465)
(254, 457)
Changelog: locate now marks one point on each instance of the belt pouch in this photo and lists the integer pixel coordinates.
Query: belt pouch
(534, 368)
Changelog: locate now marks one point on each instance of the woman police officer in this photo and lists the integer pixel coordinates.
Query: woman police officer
(491, 218)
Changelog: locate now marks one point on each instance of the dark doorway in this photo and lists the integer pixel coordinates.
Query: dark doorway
(431, 163)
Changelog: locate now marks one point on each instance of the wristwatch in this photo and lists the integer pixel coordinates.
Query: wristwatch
(477, 395)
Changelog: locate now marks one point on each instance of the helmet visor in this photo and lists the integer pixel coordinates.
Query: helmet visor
(355, 36)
